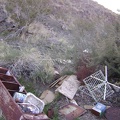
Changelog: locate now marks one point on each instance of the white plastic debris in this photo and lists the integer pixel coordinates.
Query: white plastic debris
(21, 88)
(32, 99)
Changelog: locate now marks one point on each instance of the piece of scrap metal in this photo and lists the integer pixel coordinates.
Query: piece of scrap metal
(9, 85)
(69, 86)
(72, 111)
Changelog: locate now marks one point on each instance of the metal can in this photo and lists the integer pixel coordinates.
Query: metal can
(19, 97)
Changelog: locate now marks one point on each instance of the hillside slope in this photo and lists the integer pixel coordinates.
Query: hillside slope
(56, 33)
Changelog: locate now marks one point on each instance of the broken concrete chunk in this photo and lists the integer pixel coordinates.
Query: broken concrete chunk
(47, 96)
(69, 87)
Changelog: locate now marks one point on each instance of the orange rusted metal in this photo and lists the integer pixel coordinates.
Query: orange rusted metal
(10, 109)
(8, 85)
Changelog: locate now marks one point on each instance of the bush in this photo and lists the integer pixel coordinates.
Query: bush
(8, 54)
(32, 65)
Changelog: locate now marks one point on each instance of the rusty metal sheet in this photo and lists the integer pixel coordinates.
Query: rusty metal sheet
(10, 109)
(8, 105)
(72, 111)
(9, 78)
(3, 70)
(11, 86)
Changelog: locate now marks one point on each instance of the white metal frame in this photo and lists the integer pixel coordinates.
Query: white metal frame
(97, 86)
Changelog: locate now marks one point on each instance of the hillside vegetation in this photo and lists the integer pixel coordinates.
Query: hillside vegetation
(40, 36)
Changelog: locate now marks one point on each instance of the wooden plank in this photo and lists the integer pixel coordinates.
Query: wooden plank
(61, 81)
(69, 86)
(57, 81)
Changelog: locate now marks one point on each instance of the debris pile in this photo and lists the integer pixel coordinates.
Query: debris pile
(31, 107)
(15, 102)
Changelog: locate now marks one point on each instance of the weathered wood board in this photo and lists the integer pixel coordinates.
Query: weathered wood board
(69, 86)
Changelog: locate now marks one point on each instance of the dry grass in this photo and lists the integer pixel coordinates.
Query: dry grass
(62, 37)
(25, 11)
(36, 56)
(32, 65)
(7, 53)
